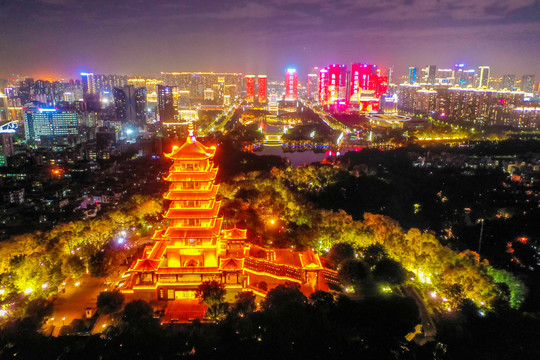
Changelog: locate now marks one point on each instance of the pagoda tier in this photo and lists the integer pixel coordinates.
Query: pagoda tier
(190, 195)
(192, 176)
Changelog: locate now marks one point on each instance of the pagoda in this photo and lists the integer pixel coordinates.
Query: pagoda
(193, 248)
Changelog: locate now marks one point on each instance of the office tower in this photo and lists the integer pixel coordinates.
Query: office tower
(291, 85)
(166, 106)
(323, 86)
(508, 82)
(431, 74)
(312, 86)
(4, 113)
(39, 122)
(527, 83)
(337, 83)
(250, 88)
(412, 75)
(458, 75)
(220, 90)
(130, 104)
(484, 76)
(6, 147)
(261, 82)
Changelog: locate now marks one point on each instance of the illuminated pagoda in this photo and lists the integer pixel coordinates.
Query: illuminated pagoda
(194, 248)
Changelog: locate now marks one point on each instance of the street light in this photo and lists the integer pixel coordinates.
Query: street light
(63, 321)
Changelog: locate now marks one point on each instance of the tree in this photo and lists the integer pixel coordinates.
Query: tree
(212, 293)
(374, 253)
(339, 253)
(354, 273)
(245, 303)
(138, 319)
(73, 266)
(109, 302)
(284, 296)
(388, 271)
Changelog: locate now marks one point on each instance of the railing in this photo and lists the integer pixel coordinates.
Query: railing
(264, 266)
(331, 276)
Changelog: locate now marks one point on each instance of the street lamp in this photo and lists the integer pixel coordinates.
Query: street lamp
(63, 321)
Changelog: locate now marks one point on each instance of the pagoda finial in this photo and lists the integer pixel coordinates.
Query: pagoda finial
(191, 128)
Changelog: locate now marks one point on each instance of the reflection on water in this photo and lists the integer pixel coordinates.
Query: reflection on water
(296, 158)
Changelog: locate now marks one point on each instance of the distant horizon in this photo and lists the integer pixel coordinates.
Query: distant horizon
(271, 77)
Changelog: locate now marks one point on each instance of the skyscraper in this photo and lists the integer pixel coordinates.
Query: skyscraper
(412, 75)
(130, 104)
(323, 86)
(166, 106)
(527, 83)
(508, 82)
(337, 83)
(291, 85)
(312, 86)
(261, 82)
(431, 74)
(250, 88)
(483, 81)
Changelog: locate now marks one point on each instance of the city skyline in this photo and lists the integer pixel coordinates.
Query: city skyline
(263, 38)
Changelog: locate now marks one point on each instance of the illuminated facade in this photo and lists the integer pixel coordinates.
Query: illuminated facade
(323, 86)
(291, 85)
(261, 82)
(250, 88)
(194, 248)
(40, 122)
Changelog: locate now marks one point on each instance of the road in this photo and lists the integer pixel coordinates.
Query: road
(427, 322)
(72, 303)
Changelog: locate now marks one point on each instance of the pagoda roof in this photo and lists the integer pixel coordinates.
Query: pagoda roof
(193, 213)
(231, 264)
(310, 260)
(194, 233)
(193, 175)
(191, 150)
(235, 234)
(192, 195)
(145, 265)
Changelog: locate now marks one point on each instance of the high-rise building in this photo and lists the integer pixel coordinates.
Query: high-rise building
(261, 83)
(483, 81)
(412, 75)
(4, 112)
(527, 83)
(250, 88)
(291, 85)
(337, 83)
(323, 86)
(6, 147)
(431, 74)
(312, 86)
(40, 122)
(167, 109)
(130, 104)
(508, 82)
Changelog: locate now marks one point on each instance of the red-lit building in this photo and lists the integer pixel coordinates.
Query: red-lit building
(291, 85)
(261, 82)
(323, 86)
(250, 88)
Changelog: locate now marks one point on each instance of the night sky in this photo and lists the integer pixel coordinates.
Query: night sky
(61, 38)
